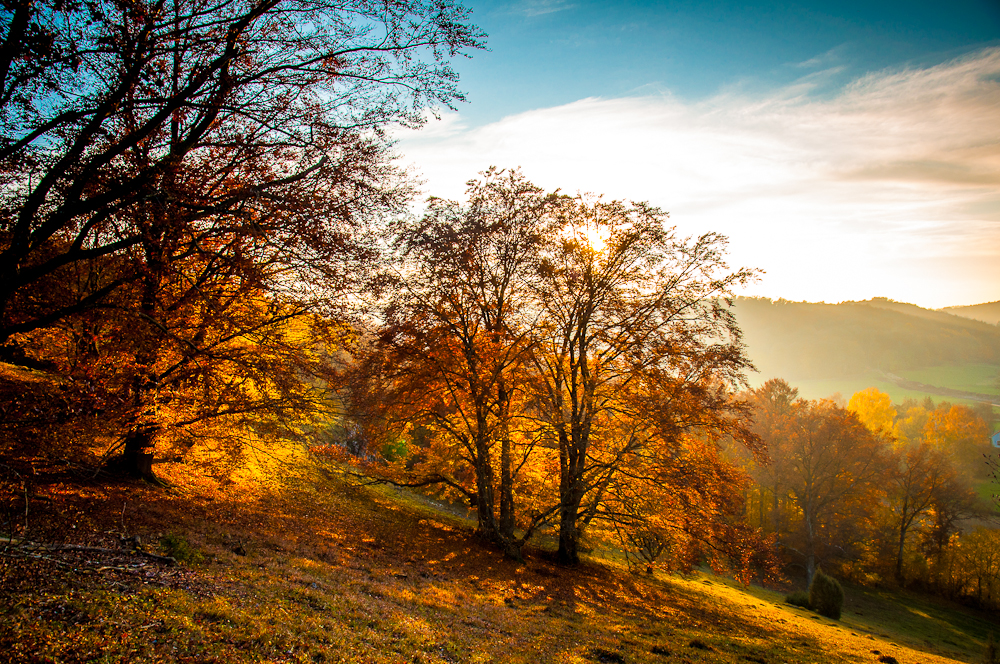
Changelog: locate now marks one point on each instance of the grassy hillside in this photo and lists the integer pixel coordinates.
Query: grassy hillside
(315, 570)
(845, 387)
(828, 348)
(977, 378)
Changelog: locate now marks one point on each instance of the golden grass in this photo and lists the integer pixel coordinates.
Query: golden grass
(336, 573)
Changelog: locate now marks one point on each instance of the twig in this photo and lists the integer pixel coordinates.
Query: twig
(169, 560)
(26, 547)
(18, 553)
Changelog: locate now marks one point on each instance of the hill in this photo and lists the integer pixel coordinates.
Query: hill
(848, 346)
(987, 313)
(318, 570)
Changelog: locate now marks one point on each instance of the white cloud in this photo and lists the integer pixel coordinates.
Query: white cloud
(890, 187)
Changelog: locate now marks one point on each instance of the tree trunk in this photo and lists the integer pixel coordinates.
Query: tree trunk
(899, 551)
(506, 470)
(810, 553)
(137, 458)
(569, 536)
(506, 490)
(760, 505)
(775, 525)
(487, 527)
(568, 507)
(569, 531)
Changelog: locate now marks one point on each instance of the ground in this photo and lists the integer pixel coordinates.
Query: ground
(315, 569)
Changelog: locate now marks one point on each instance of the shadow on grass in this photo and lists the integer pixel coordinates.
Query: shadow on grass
(316, 567)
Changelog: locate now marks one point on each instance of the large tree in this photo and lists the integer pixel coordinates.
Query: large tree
(923, 484)
(962, 434)
(772, 407)
(122, 121)
(201, 171)
(457, 327)
(874, 408)
(636, 350)
(561, 360)
(834, 469)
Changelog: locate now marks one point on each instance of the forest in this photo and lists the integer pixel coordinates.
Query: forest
(214, 284)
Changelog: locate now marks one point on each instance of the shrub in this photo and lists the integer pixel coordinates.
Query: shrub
(826, 597)
(798, 598)
(180, 549)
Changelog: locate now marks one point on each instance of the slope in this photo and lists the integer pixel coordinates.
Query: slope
(319, 570)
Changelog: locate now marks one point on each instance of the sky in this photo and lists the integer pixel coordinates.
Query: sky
(847, 149)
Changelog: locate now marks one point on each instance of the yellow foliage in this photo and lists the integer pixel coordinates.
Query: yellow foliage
(909, 428)
(874, 409)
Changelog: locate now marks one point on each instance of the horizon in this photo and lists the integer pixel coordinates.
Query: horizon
(865, 301)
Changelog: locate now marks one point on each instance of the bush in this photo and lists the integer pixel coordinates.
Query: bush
(180, 549)
(826, 597)
(798, 598)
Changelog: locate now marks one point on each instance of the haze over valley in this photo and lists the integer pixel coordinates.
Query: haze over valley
(842, 348)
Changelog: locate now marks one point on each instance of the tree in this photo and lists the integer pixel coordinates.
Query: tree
(114, 113)
(952, 503)
(168, 161)
(980, 553)
(874, 409)
(921, 480)
(833, 466)
(772, 411)
(910, 423)
(636, 349)
(457, 328)
(958, 431)
(559, 381)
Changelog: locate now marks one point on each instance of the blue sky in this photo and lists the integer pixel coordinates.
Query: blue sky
(848, 149)
(550, 52)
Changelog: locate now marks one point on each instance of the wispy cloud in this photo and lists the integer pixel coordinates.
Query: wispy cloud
(833, 57)
(532, 8)
(890, 187)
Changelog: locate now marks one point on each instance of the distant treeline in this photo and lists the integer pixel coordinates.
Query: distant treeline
(808, 340)
(988, 312)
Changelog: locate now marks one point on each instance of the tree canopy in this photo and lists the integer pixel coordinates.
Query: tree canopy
(559, 361)
(182, 180)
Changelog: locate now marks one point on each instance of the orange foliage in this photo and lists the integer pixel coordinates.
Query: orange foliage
(554, 382)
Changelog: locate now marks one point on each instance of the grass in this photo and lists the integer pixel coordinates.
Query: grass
(316, 570)
(978, 378)
(967, 378)
(909, 620)
(986, 490)
(845, 387)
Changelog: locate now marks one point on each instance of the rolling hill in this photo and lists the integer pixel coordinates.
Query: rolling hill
(901, 348)
(988, 313)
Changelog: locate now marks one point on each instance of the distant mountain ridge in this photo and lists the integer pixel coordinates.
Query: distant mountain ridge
(988, 312)
(805, 340)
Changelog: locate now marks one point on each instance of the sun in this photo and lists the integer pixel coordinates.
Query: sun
(597, 237)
